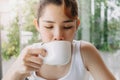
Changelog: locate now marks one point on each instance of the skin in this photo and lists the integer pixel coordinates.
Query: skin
(55, 25)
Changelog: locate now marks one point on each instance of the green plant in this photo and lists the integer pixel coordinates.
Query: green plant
(28, 25)
(113, 29)
(11, 47)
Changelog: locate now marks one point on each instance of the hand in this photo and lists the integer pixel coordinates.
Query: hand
(29, 60)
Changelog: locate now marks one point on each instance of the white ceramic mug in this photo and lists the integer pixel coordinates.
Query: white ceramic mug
(58, 52)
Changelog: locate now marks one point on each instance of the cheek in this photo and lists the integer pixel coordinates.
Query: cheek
(46, 36)
(70, 35)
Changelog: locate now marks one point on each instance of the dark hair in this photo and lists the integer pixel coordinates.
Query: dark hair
(70, 7)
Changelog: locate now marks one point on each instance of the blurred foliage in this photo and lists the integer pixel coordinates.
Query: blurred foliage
(23, 22)
(29, 17)
(1, 27)
(113, 28)
(12, 46)
(103, 32)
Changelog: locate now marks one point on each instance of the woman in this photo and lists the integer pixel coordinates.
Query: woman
(58, 20)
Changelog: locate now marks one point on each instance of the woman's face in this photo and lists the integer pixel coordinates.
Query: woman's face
(55, 25)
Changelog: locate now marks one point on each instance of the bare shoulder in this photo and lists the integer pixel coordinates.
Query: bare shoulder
(87, 47)
(89, 53)
(93, 62)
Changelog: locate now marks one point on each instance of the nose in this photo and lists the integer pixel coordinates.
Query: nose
(58, 35)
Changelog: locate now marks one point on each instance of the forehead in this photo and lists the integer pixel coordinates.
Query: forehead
(54, 13)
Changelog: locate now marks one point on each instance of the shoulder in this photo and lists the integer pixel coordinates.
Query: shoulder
(89, 53)
(87, 47)
(93, 62)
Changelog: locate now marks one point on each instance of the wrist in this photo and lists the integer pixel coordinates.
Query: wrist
(14, 74)
(20, 76)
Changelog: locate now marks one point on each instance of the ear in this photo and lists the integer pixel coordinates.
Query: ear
(36, 24)
(78, 23)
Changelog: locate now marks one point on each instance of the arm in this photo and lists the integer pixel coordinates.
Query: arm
(94, 62)
(13, 74)
(27, 62)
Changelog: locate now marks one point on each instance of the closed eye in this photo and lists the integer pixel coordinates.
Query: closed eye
(68, 27)
(49, 27)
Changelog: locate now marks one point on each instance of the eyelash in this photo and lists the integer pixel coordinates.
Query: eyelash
(49, 27)
(68, 27)
(65, 27)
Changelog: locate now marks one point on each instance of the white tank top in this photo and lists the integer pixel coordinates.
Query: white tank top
(77, 69)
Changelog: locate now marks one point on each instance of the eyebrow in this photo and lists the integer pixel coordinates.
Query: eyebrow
(66, 21)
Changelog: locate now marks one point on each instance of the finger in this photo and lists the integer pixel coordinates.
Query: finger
(33, 59)
(33, 65)
(37, 51)
(29, 68)
(43, 52)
